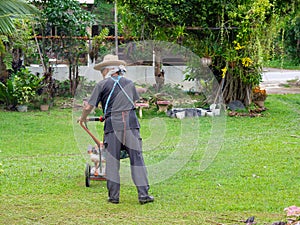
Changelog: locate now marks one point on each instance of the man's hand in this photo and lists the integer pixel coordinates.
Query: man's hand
(82, 120)
(85, 112)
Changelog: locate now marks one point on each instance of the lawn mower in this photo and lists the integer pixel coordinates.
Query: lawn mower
(97, 156)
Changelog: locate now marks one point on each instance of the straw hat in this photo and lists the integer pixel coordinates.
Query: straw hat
(109, 60)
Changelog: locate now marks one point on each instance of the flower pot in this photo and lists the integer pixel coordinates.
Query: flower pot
(22, 108)
(260, 104)
(163, 105)
(44, 107)
(206, 61)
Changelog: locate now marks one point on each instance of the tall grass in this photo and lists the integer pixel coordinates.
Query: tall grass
(256, 173)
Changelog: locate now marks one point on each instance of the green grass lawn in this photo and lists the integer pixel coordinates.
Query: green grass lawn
(256, 172)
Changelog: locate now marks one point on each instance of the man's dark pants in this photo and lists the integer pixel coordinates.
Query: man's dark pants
(130, 141)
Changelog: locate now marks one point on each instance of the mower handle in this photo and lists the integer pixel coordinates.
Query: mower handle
(101, 119)
(83, 125)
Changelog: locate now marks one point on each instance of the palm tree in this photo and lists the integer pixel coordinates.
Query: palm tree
(11, 9)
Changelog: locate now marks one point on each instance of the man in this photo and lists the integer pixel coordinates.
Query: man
(117, 96)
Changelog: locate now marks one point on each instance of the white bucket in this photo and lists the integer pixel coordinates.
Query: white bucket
(217, 112)
(180, 115)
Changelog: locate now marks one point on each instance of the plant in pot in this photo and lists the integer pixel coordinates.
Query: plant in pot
(25, 85)
(45, 101)
(207, 51)
(207, 55)
(259, 96)
(163, 101)
(24, 95)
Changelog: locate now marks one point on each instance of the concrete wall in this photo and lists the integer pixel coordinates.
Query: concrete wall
(138, 74)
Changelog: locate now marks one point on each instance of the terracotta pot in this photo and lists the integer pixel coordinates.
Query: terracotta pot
(44, 107)
(260, 104)
(163, 105)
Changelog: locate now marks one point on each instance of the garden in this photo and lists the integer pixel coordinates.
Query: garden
(224, 151)
(256, 172)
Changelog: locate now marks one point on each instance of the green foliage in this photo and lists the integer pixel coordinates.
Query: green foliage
(102, 10)
(2, 46)
(6, 57)
(21, 88)
(98, 46)
(248, 44)
(158, 20)
(62, 88)
(25, 85)
(215, 29)
(16, 45)
(84, 88)
(70, 21)
(7, 94)
(279, 63)
(7, 60)
(291, 40)
(69, 18)
(21, 41)
(11, 9)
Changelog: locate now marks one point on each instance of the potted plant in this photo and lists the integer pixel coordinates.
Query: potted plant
(44, 100)
(259, 96)
(25, 85)
(24, 96)
(163, 101)
(206, 59)
(208, 52)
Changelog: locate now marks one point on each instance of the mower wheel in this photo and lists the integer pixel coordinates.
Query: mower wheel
(87, 175)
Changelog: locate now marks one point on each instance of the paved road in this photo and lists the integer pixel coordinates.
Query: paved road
(271, 74)
(274, 78)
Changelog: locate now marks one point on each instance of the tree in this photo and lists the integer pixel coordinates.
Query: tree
(288, 42)
(240, 31)
(69, 22)
(155, 20)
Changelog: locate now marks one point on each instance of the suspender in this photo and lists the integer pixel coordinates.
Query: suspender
(113, 89)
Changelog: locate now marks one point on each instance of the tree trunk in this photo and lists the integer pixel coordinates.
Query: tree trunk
(73, 76)
(235, 89)
(159, 75)
(17, 63)
(3, 71)
(70, 77)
